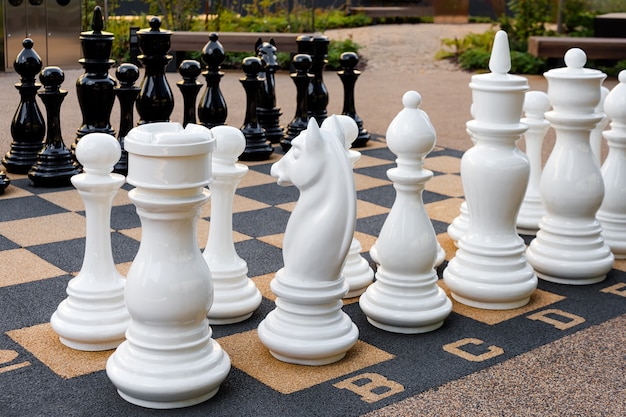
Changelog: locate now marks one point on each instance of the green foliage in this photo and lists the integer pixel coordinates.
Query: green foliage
(175, 14)
(335, 49)
(529, 19)
(577, 18)
(120, 27)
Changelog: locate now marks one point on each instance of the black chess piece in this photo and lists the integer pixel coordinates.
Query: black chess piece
(267, 112)
(212, 110)
(302, 79)
(28, 128)
(95, 87)
(54, 166)
(156, 101)
(4, 182)
(189, 87)
(318, 93)
(348, 76)
(126, 92)
(257, 146)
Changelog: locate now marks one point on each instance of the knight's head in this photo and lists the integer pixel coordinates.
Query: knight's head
(267, 52)
(305, 161)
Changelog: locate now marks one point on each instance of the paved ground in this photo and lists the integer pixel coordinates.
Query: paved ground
(389, 74)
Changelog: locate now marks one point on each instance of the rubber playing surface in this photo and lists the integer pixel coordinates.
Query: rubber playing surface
(41, 249)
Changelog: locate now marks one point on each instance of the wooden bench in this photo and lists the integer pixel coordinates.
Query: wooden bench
(395, 11)
(595, 48)
(232, 41)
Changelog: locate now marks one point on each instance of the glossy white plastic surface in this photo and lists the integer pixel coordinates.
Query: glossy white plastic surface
(489, 269)
(612, 212)
(356, 270)
(308, 326)
(569, 247)
(169, 359)
(405, 297)
(94, 317)
(235, 297)
(536, 104)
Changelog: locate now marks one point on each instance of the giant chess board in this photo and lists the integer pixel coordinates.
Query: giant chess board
(41, 248)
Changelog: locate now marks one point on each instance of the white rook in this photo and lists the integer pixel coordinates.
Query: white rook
(569, 248)
(94, 317)
(490, 270)
(169, 359)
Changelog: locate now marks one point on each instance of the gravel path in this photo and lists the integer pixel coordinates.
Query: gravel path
(405, 47)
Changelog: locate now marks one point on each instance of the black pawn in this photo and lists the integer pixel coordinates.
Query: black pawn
(95, 87)
(212, 110)
(54, 166)
(257, 146)
(348, 76)
(302, 79)
(189, 87)
(267, 112)
(318, 93)
(4, 182)
(127, 92)
(156, 101)
(28, 128)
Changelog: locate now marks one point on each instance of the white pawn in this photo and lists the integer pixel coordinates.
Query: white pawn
(405, 297)
(169, 359)
(308, 325)
(536, 104)
(94, 317)
(356, 271)
(596, 132)
(612, 212)
(235, 297)
(490, 270)
(569, 248)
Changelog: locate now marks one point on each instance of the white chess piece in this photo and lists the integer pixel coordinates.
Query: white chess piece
(612, 212)
(536, 104)
(356, 270)
(405, 297)
(595, 139)
(490, 270)
(308, 326)
(169, 359)
(235, 297)
(569, 248)
(94, 317)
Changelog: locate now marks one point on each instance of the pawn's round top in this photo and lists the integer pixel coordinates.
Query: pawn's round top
(189, 69)
(302, 62)
(230, 142)
(51, 78)
(575, 58)
(98, 153)
(27, 63)
(536, 103)
(348, 60)
(127, 74)
(252, 65)
(213, 54)
(615, 103)
(411, 133)
(411, 100)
